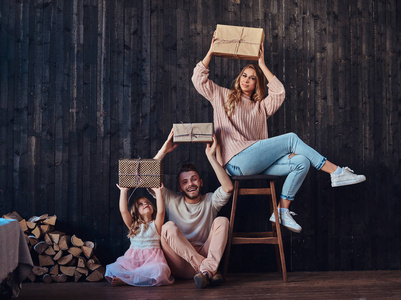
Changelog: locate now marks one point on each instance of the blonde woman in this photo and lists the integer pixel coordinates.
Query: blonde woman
(240, 122)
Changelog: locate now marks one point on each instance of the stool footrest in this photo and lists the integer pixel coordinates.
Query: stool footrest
(254, 238)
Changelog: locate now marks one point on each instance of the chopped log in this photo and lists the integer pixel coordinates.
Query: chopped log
(54, 270)
(50, 251)
(31, 276)
(56, 247)
(77, 276)
(51, 220)
(39, 270)
(40, 248)
(13, 215)
(33, 240)
(69, 271)
(89, 244)
(56, 235)
(81, 262)
(45, 228)
(23, 225)
(36, 219)
(96, 275)
(73, 262)
(84, 271)
(75, 251)
(58, 255)
(47, 278)
(77, 242)
(64, 241)
(92, 265)
(59, 278)
(48, 240)
(36, 232)
(87, 251)
(45, 260)
(31, 225)
(65, 259)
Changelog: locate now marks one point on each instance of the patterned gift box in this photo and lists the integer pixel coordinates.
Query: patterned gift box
(238, 42)
(144, 173)
(193, 132)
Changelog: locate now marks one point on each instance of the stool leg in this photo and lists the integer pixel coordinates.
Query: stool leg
(230, 233)
(279, 239)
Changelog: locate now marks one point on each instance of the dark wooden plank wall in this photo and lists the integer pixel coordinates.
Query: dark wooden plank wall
(84, 83)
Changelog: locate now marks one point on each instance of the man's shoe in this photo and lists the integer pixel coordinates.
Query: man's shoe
(287, 221)
(201, 280)
(346, 178)
(216, 279)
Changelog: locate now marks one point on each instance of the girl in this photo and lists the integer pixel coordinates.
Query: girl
(143, 264)
(240, 122)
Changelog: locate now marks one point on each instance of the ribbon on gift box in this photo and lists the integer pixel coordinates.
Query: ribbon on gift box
(138, 179)
(195, 135)
(237, 41)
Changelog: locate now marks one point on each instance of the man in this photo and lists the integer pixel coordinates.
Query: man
(194, 239)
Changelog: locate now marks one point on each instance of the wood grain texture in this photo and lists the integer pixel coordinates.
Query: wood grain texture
(85, 83)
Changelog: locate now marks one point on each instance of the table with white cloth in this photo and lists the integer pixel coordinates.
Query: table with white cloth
(15, 258)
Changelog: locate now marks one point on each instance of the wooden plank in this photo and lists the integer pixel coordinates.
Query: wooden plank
(7, 98)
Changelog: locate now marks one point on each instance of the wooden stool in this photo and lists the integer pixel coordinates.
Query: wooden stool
(271, 237)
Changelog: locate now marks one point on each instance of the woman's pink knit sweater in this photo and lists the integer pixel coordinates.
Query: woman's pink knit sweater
(248, 123)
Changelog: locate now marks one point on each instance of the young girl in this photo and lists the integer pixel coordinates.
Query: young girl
(240, 123)
(143, 264)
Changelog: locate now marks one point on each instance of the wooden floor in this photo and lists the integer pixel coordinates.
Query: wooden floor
(305, 285)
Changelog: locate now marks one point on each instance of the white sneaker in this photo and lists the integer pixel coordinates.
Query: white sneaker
(346, 178)
(287, 221)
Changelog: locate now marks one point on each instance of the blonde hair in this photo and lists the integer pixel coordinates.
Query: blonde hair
(234, 95)
(137, 219)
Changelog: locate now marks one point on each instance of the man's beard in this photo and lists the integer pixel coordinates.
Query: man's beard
(191, 197)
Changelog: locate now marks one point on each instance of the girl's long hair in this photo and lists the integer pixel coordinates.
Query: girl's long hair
(234, 95)
(137, 219)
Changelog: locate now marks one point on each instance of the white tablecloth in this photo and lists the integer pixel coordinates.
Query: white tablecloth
(14, 253)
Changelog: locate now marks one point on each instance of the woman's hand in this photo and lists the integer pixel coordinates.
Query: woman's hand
(261, 60)
(209, 54)
(211, 44)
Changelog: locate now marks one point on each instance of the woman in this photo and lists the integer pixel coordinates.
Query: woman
(240, 121)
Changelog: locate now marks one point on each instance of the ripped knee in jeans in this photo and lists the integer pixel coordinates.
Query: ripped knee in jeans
(291, 155)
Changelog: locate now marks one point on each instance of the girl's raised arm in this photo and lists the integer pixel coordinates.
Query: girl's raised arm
(161, 208)
(125, 214)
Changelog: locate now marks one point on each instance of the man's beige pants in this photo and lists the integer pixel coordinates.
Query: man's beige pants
(186, 260)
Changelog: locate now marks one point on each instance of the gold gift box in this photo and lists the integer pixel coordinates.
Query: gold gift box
(238, 42)
(144, 173)
(193, 133)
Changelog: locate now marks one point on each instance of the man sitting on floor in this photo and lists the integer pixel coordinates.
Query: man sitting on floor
(194, 239)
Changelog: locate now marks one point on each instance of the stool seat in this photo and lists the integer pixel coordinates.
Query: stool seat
(270, 237)
(255, 177)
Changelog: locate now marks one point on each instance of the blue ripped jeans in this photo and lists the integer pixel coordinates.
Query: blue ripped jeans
(271, 157)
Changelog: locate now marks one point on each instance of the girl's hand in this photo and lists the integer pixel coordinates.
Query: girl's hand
(261, 60)
(159, 189)
(123, 189)
(211, 149)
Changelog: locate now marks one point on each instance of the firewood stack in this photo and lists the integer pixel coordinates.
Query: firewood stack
(58, 256)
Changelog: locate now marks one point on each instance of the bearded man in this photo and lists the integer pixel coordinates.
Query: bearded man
(194, 238)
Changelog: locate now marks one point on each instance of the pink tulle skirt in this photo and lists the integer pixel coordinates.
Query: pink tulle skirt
(141, 267)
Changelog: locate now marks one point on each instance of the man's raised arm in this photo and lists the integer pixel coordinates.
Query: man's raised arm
(167, 147)
(221, 174)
